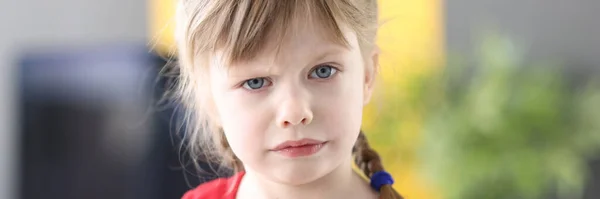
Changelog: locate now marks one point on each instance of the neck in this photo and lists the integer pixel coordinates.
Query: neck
(342, 182)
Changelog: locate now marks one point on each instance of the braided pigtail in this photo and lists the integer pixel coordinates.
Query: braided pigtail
(369, 161)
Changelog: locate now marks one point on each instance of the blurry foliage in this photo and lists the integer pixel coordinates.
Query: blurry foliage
(505, 128)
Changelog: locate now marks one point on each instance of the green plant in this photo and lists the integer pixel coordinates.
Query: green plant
(506, 128)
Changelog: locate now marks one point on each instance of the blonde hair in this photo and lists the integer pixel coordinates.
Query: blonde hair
(239, 30)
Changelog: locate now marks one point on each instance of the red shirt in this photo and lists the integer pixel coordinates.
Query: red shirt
(222, 188)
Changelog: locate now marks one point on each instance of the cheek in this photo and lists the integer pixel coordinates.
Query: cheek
(243, 125)
(340, 109)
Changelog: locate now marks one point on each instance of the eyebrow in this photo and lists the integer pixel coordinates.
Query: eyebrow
(245, 72)
(335, 50)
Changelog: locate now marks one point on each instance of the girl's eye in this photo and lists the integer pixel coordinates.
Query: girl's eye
(256, 83)
(323, 72)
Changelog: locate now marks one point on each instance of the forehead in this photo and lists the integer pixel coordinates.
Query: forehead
(293, 25)
(301, 47)
(310, 38)
(301, 42)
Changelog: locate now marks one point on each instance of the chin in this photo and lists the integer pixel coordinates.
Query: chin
(302, 171)
(299, 176)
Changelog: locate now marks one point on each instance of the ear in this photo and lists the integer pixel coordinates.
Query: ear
(371, 70)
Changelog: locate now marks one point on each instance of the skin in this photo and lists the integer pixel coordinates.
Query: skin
(313, 89)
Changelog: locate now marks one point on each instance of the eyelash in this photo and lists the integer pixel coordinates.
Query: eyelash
(336, 69)
(268, 83)
(333, 67)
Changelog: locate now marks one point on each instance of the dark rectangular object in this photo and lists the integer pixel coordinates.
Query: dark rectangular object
(89, 128)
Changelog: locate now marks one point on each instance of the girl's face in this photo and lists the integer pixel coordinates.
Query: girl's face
(312, 89)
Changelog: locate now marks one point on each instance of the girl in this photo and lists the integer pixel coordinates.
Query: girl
(276, 89)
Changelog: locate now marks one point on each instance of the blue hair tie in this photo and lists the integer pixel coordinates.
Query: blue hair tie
(380, 178)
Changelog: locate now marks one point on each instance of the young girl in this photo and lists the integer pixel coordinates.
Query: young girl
(276, 89)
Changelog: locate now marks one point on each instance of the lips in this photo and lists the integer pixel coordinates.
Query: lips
(300, 148)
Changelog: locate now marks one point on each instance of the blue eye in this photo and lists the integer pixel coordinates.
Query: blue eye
(323, 72)
(255, 83)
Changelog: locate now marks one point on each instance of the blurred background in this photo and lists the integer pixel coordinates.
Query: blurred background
(477, 99)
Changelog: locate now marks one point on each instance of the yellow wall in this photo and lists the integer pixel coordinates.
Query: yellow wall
(411, 40)
(161, 22)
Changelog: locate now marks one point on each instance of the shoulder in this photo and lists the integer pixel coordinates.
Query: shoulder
(218, 188)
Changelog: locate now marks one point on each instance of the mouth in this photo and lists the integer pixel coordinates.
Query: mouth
(300, 148)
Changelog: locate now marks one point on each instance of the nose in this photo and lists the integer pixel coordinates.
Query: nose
(294, 111)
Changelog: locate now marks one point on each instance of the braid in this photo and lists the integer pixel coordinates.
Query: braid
(369, 161)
